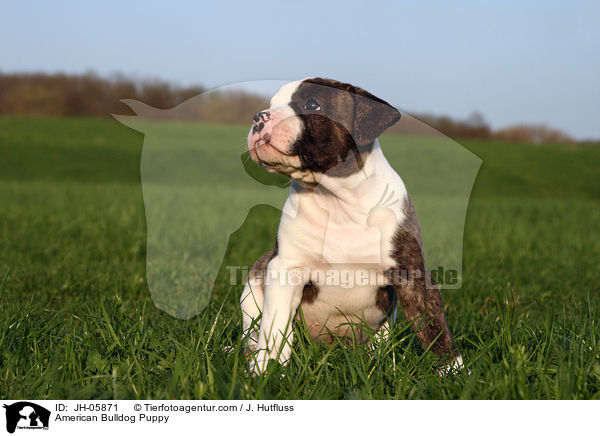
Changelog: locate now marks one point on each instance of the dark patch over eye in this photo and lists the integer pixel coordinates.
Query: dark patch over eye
(312, 105)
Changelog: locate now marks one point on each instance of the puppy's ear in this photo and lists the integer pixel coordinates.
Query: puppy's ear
(372, 116)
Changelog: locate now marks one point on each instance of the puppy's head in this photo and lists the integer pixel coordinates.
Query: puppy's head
(314, 125)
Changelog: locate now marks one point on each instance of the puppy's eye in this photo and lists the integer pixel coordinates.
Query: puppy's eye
(312, 105)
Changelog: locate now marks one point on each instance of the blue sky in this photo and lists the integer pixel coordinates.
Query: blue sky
(536, 62)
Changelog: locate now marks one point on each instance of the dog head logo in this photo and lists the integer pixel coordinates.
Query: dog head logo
(197, 192)
(26, 415)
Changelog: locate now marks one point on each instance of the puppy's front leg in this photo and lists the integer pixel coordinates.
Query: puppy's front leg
(283, 293)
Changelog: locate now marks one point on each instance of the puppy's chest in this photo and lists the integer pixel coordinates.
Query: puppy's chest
(352, 244)
(320, 237)
(347, 263)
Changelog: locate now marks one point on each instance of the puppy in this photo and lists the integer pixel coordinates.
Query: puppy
(348, 247)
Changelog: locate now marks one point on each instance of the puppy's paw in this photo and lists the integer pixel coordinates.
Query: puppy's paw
(454, 368)
(257, 363)
(254, 368)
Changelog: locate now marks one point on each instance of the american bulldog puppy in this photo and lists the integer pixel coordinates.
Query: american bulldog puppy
(348, 250)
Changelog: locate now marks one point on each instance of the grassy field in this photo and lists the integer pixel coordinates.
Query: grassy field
(77, 320)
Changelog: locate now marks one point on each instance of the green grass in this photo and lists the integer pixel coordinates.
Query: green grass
(77, 319)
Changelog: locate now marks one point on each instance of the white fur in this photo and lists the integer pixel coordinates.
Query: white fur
(334, 226)
(284, 95)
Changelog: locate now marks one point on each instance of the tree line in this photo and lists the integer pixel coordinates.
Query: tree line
(43, 94)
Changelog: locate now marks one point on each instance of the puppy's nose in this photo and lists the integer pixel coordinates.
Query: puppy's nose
(262, 116)
(259, 121)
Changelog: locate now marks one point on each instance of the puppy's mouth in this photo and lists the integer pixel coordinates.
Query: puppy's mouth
(265, 141)
(263, 151)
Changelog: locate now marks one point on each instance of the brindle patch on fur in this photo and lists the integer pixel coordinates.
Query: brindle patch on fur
(421, 303)
(309, 293)
(369, 117)
(386, 300)
(259, 269)
(349, 121)
(336, 145)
